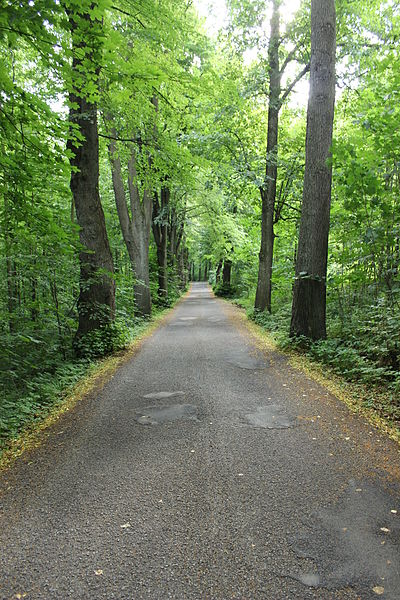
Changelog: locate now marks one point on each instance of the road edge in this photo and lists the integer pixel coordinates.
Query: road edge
(91, 383)
(343, 390)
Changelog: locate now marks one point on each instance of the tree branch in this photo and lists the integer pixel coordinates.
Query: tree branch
(124, 12)
(288, 59)
(294, 82)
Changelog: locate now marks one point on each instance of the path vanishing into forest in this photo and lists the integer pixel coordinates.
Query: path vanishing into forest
(204, 469)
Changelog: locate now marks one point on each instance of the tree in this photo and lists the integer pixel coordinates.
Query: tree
(160, 233)
(309, 294)
(96, 304)
(135, 224)
(268, 189)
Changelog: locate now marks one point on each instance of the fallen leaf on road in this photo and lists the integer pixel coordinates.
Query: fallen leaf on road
(385, 530)
(378, 590)
(125, 526)
(394, 512)
(99, 572)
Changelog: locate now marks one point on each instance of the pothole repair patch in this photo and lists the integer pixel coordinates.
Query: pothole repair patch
(245, 361)
(270, 417)
(158, 415)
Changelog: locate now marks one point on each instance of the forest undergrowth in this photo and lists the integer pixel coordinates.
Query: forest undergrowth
(362, 348)
(39, 375)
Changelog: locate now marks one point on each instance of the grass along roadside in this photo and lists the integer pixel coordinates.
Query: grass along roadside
(87, 378)
(373, 402)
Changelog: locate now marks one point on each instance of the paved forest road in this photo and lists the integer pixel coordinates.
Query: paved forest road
(204, 470)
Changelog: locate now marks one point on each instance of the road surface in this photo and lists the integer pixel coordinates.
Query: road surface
(204, 469)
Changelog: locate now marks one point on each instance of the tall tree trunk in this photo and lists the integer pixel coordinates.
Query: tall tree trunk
(268, 191)
(227, 270)
(141, 227)
(182, 268)
(218, 272)
(135, 227)
(309, 295)
(172, 233)
(11, 284)
(11, 271)
(96, 304)
(160, 233)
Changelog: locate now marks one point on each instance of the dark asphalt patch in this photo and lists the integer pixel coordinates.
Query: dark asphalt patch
(355, 543)
(158, 415)
(243, 360)
(270, 417)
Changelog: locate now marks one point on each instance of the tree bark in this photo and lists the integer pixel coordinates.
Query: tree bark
(172, 233)
(268, 191)
(182, 267)
(309, 294)
(218, 272)
(96, 303)
(160, 233)
(227, 271)
(135, 225)
(141, 227)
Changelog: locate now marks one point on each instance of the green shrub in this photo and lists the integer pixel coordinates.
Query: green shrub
(225, 290)
(102, 341)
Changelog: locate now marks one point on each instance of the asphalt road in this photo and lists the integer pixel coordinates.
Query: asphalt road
(204, 469)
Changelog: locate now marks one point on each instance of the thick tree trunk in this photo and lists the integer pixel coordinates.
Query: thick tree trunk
(160, 233)
(182, 273)
(135, 227)
(11, 287)
(206, 271)
(227, 271)
(309, 295)
(141, 265)
(268, 192)
(96, 304)
(141, 227)
(11, 272)
(186, 268)
(172, 233)
(218, 272)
